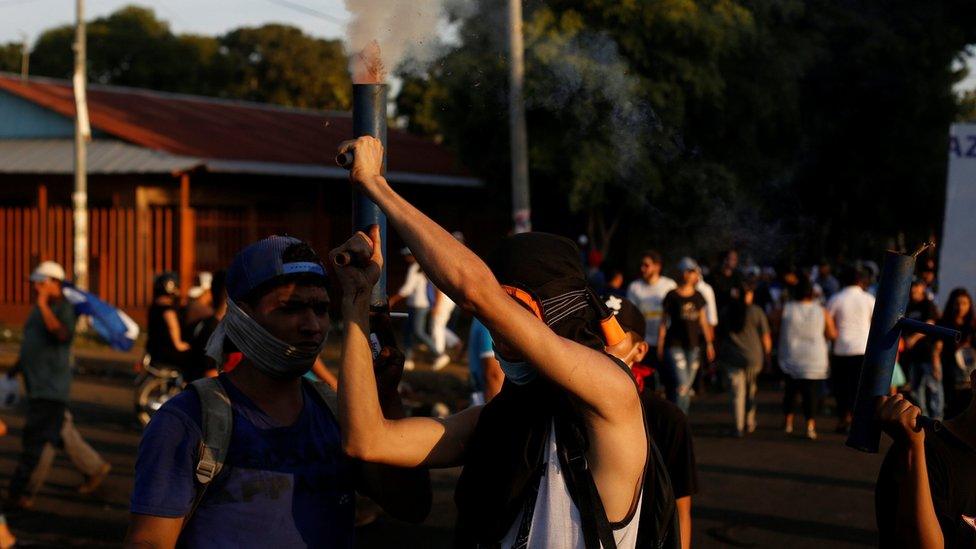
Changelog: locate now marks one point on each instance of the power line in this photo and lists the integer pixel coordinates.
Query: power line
(306, 10)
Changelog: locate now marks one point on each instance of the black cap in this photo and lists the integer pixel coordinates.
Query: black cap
(628, 315)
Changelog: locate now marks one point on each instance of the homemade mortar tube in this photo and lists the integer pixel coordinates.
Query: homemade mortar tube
(369, 118)
(882, 349)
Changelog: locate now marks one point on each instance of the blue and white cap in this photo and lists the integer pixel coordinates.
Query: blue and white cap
(262, 261)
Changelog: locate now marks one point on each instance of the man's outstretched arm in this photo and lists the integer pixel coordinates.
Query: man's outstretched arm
(366, 433)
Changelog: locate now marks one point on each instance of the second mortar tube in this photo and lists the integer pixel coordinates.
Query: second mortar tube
(369, 118)
(882, 349)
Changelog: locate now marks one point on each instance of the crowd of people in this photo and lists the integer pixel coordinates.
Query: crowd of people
(577, 432)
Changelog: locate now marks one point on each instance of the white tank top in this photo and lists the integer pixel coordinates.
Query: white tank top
(802, 345)
(556, 520)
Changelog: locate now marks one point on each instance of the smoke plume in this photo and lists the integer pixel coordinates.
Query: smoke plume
(404, 31)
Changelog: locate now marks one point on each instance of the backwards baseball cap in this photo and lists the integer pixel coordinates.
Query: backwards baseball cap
(628, 315)
(47, 270)
(265, 260)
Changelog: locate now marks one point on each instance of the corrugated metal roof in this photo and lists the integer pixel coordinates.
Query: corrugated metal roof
(105, 156)
(109, 156)
(216, 129)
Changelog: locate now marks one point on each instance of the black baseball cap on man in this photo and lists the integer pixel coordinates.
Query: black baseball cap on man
(269, 259)
(628, 315)
(548, 267)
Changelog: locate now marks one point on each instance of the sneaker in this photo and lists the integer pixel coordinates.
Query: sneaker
(812, 434)
(738, 433)
(441, 362)
(93, 482)
(408, 364)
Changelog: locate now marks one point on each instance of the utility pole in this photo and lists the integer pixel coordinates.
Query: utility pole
(24, 58)
(82, 134)
(521, 208)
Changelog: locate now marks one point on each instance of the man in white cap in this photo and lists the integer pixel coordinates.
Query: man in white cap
(44, 362)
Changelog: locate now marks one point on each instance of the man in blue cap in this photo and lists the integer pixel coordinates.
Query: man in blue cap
(280, 478)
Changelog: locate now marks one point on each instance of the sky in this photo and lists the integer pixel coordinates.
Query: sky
(209, 17)
(197, 16)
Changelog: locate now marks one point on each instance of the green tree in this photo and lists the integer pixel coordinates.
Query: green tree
(10, 57)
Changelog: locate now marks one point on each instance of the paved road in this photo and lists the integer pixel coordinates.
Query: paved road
(767, 490)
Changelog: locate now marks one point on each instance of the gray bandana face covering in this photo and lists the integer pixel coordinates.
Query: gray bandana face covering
(269, 354)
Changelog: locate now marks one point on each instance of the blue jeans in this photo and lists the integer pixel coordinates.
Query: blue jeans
(682, 365)
(416, 327)
(928, 391)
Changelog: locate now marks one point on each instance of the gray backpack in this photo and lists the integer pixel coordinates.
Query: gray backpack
(217, 422)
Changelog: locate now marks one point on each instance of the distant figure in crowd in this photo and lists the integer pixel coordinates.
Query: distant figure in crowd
(200, 300)
(486, 374)
(744, 344)
(615, 283)
(711, 305)
(283, 480)
(669, 425)
(45, 362)
(685, 334)
(926, 491)
(648, 293)
(414, 291)
(215, 295)
(826, 280)
(851, 310)
(440, 335)
(955, 360)
(563, 396)
(164, 334)
(804, 330)
(924, 370)
(726, 278)
(927, 273)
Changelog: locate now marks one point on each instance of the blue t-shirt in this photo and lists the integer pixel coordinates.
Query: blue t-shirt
(479, 347)
(280, 487)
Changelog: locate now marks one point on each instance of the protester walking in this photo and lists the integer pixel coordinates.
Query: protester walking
(726, 278)
(744, 345)
(851, 310)
(955, 360)
(44, 361)
(804, 330)
(685, 336)
(414, 291)
(486, 374)
(647, 292)
(441, 336)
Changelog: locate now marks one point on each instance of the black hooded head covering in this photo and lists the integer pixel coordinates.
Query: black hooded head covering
(505, 455)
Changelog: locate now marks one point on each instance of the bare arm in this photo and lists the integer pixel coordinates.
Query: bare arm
(684, 520)
(917, 523)
(366, 434)
(173, 324)
(830, 327)
(149, 532)
(662, 333)
(767, 343)
(707, 334)
(494, 377)
(937, 359)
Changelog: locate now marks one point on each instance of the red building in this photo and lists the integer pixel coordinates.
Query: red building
(180, 183)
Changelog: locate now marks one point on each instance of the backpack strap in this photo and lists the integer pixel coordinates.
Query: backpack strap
(217, 421)
(597, 531)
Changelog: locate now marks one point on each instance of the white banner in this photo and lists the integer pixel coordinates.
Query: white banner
(957, 256)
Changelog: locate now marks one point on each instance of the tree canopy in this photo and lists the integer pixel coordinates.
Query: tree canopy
(786, 127)
(132, 47)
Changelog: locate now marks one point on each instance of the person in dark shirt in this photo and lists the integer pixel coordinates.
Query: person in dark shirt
(164, 338)
(668, 424)
(927, 388)
(953, 359)
(926, 491)
(684, 331)
(726, 278)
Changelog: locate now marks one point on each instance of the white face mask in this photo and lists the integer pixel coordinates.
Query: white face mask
(269, 354)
